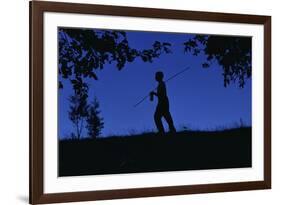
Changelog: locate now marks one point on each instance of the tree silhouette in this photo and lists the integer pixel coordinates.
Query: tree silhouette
(78, 107)
(234, 54)
(95, 123)
(81, 51)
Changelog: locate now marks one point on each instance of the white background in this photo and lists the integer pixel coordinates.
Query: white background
(14, 102)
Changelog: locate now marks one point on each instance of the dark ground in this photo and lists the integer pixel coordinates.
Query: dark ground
(187, 150)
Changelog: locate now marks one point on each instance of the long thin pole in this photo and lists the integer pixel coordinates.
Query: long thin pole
(172, 77)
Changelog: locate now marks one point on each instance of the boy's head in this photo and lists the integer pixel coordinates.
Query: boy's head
(159, 76)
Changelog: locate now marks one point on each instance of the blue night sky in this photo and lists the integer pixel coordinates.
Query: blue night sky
(198, 99)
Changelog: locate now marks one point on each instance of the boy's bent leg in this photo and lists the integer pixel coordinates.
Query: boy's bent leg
(158, 122)
(170, 122)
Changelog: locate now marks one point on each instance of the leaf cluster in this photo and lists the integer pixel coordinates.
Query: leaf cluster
(233, 53)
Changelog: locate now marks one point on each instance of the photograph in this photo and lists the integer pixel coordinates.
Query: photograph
(136, 101)
(129, 102)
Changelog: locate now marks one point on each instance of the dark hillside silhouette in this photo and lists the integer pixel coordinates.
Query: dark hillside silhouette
(186, 150)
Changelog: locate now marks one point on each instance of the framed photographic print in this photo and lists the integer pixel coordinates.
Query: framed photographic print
(139, 102)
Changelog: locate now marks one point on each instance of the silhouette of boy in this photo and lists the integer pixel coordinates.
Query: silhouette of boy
(162, 109)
